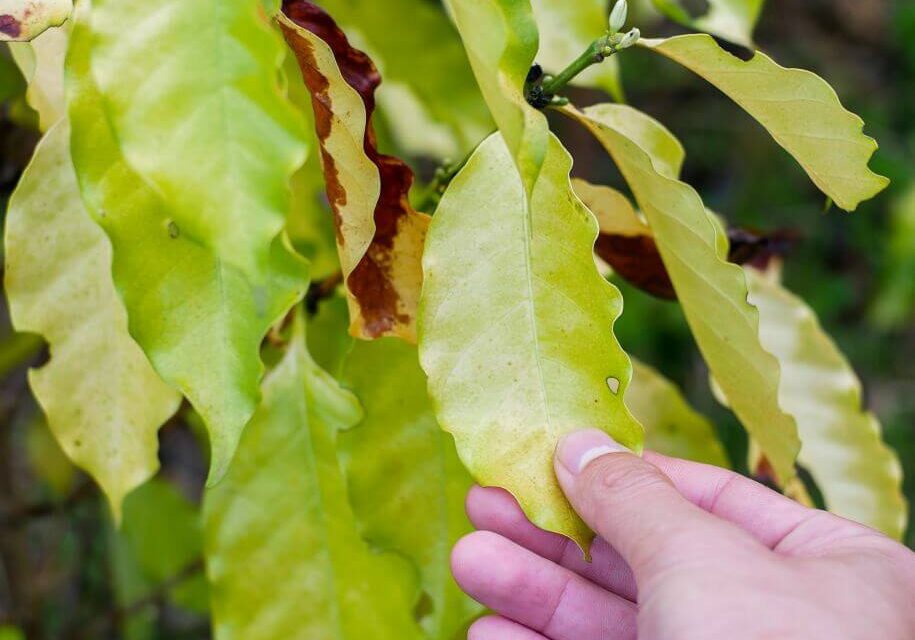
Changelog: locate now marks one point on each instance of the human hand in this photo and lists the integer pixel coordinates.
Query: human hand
(685, 552)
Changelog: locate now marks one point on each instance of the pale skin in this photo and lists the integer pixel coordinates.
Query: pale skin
(685, 552)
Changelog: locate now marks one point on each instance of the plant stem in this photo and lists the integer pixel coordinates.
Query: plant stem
(594, 54)
(432, 194)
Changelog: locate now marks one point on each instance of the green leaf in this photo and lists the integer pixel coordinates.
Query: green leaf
(798, 109)
(283, 554)
(672, 426)
(102, 399)
(732, 20)
(27, 19)
(516, 329)
(197, 316)
(860, 476)
(713, 292)
(501, 40)
(379, 235)
(162, 530)
(204, 120)
(429, 96)
(42, 63)
(406, 483)
(566, 30)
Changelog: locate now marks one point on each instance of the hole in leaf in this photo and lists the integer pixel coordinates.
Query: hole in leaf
(614, 384)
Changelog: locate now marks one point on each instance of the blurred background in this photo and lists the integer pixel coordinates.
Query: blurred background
(65, 572)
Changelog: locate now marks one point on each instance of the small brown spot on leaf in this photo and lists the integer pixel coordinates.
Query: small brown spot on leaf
(10, 26)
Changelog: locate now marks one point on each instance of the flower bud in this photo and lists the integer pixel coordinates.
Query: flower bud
(630, 39)
(618, 16)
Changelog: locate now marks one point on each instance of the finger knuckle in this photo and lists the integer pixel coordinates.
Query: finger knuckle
(623, 475)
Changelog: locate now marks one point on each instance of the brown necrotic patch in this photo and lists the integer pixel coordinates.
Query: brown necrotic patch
(374, 283)
(637, 260)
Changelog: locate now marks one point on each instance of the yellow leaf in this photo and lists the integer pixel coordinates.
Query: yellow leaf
(516, 330)
(860, 476)
(798, 109)
(103, 401)
(713, 291)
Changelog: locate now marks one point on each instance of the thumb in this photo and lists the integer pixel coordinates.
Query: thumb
(635, 507)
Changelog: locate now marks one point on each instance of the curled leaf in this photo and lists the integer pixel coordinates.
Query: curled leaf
(712, 291)
(429, 97)
(103, 401)
(379, 235)
(798, 109)
(22, 20)
(517, 329)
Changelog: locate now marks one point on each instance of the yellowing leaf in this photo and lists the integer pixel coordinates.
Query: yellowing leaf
(517, 329)
(42, 64)
(204, 120)
(860, 476)
(798, 109)
(284, 557)
(27, 19)
(733, 20)
(310, 222)
(197, 316)
(406, 483)
(429, 96)
(566, 30)
(672, 427)
(712, 291)
(103, 401)
(501, 40)
(379, 235)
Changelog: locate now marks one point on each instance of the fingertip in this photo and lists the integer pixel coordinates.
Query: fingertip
(578, 449)
(473, 558)
(493, 509)
(499, 628)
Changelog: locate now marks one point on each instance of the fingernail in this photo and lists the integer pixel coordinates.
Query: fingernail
(579, 449)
